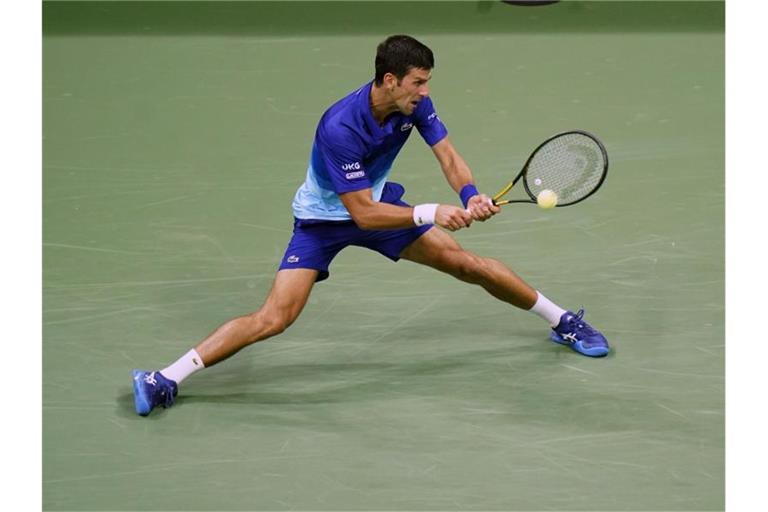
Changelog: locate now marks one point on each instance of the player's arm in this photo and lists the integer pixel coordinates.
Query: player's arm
(459, 176)
(374, 215)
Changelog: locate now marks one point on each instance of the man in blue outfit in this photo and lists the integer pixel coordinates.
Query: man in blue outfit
(347, 200)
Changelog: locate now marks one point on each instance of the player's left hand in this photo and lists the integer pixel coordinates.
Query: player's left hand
(481, 207)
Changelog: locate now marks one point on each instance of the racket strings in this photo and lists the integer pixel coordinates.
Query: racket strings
(571, 165)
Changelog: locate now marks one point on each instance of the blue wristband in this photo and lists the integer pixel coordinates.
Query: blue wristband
(467, 191)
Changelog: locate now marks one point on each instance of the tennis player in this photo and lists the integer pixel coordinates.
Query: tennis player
(346, 200)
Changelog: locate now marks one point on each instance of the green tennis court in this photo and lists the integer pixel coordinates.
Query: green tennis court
(175, 135)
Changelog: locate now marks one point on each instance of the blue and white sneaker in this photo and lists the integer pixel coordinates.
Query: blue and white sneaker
(151, 389)
(579, 335)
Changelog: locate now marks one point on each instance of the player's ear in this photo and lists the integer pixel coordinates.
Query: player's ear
(389, 81)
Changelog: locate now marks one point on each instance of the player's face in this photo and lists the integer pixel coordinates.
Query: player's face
(411, 90)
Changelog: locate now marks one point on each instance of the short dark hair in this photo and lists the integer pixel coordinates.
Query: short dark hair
(398, 54)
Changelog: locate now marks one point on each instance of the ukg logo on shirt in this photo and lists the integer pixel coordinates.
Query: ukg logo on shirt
(353, 167)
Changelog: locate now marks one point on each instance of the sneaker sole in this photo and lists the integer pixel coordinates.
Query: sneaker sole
(591, 352)
(140, 402)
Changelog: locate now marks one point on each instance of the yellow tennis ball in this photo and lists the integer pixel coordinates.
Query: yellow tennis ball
(546, 199)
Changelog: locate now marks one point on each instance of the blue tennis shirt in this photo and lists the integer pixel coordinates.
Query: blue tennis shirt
(351, 151)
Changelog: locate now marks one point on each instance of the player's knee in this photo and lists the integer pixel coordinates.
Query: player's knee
(272, 323)
(272, 326)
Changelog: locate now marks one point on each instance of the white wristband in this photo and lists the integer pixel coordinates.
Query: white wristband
(424, 214)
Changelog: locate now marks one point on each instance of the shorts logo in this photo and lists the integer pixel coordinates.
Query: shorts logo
(353, 175)
(406, 127)
(350, 167)
(292, 259)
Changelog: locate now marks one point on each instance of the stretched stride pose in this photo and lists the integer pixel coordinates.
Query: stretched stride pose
(347, 200)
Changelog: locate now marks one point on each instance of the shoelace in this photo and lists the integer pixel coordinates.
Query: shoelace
(582, 326)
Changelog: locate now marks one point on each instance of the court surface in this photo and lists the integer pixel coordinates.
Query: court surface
(173, 144)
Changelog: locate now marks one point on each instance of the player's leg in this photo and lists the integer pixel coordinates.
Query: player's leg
(439, 250)
(282, 306)
(289, 294)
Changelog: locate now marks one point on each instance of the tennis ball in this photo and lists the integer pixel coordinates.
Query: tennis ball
(546, 199)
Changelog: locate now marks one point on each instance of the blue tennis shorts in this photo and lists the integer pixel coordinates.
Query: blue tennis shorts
(315, 242)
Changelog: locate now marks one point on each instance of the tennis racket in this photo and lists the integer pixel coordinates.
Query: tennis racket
(571, 164)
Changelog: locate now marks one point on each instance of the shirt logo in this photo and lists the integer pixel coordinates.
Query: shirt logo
(292, 259)
(353, 175)
(406, 127)
(349, 167)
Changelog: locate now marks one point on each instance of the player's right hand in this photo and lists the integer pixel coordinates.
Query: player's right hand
(482, 208)
(452, 218)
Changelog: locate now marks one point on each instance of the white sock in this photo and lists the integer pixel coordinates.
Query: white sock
(547, 309)
(187, 364)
